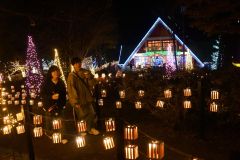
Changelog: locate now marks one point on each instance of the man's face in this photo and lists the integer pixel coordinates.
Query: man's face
(77, 66)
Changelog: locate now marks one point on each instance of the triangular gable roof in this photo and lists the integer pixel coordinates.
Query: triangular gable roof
(159, 21)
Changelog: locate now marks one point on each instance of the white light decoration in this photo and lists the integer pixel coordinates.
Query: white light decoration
(7, 129)
(187, 104)
(57, 124)
(215, 54)
(155, 150)
(100, 102)
(187, 92)
(168, 93)
(214, 94)
(131, 132)
(122, 94)
(160, 104)
(81, 126)
(57, 138)
(118, 104)
(131, 152)
(20, 129)
(108, 143)
(80, 141)
(37, 131)
(189, 61)
(138, 105)
(213, 107)
(110, 124)
(37, 119)
(103, 93)
(141, 93)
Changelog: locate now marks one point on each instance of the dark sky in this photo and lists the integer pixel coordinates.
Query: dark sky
(133, 19)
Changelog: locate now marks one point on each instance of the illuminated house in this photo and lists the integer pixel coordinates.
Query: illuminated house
(158, 48)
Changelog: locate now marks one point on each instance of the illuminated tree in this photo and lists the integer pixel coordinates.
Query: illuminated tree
(58, 63)
(215, 55)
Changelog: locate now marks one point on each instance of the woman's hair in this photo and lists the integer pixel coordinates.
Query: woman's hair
(52, 69)
(76, 60)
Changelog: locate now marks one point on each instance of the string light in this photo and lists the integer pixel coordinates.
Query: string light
(58, 63)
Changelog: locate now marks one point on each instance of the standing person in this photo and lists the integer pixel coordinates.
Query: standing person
(80, 95)
(54, 97)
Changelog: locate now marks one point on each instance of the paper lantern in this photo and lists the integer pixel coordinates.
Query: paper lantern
(40, 104)
(140, 75)
(96, 76)
(160, 104)
(12, 87)
(141, 93)
(4, 109)
(122, 94)
(123, 75)
(6, 120)
(131, 132)
(31, 102)
(37, 131)
(12, 99)
(13, 90)
(213, 107)
(16, 102)
(110, 75)
(131, 152)
(81, 126)
(23, 101)
(110, 124)
(57, 124)
(22, 86)
(20, 116)
(187, 104)
(20, 129)
(187, 92)
(4, 102)
(103, 76)
(24, 95)
(37, 119)
(103, 93)
(100, 102)
(57, 137)
(108, 143)
(9, 102)
(118, 104)
(168, 93)
(32, 95)
(3, 94)
(7, 129)
(155, 150)
(214, 94)
(16, 96)
(138, 104)
(80, 141)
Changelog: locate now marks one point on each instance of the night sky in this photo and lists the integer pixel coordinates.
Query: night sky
(132, 21)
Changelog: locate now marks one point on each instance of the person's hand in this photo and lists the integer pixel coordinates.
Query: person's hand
(55, 96)
(77, 106)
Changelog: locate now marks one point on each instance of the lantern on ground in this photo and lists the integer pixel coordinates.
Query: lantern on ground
(40, 104)
(108, 143)
(155, 150)
(213, 107)
(23, 101)
(80, 141)
(103, 76)
(100, 102)
(7, 129)
(160, 104)
(16, 102)
(131, 132)
(16, 96)
(6, 119)
(131, 152)
(81, 126)
(32, 95)
(96, 76)
(20, 116)
(31, 102)
(103, 93)
(122, 94)
(57, 137)
(187, 92)
(140, 75)
(138, 104)
(187, 104)
(123, 75)
(141, 93)
(22, 86)
(37, 131)
(20, 129)
(4, 102)
(110, 124)
(9, 102)
(118, 104)
(214, 94)
(57, 124)
(37, 119)
(168, 93)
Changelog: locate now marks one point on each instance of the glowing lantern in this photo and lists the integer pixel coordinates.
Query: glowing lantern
(22, 86)
(103, 76)
(168, 93)
(187, 104)
(131, 132)
(155, 150)
(138, 105)
(4, 102)
(9, 102)
(140, 75)
(108, 142)
(23, 101)
(37, 131)
(187, 92)
(12, 99)
(32, 95)
(40, 104)
(80, 141)
(122, 94)
(37, 119)
(141, 93)
(81, 126)
(100, 102)
(16, 96)
(13, 90)
(31, 102)
(213, 107)
(103, 93)
(7, 129)
(110, 75)
(131, 152)
(20, 116)
(123, 75)
(118, 104)
(6, 120)
(96, 76)
(110, 124)
(160, 104)
(20, 129)
(16, 102)
(57, 137)
(57, 124)
(12, 87)
(214, 94)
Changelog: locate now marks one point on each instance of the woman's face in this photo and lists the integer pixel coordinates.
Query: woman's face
(55, 74)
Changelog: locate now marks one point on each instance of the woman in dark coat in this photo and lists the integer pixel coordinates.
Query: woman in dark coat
(54, 97)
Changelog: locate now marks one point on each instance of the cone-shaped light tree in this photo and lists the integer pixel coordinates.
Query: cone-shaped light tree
(58, 63)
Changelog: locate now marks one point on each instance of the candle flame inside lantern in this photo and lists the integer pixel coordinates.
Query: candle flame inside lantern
(103, 93)
(81, 126)
(80, 141)
(131, 132)
(156, 150)
(131, 152)
(110, 124)
(138, 105)
(187, 92)
(108, 142)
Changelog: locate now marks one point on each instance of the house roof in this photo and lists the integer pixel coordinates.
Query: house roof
(127, 52)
